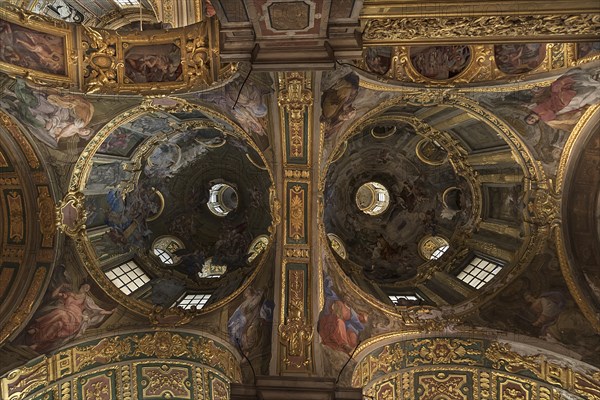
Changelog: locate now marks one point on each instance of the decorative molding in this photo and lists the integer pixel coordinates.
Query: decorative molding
(494, 361)
(482, 29)
(295, 107)
(140, 361)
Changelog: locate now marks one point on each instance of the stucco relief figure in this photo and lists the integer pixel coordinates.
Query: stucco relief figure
(336, 103)
(68, 316)
(339, 324)
(561, 104)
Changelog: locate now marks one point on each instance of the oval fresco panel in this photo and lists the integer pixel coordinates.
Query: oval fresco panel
(519, 58)
(440, 62)
(378, 59)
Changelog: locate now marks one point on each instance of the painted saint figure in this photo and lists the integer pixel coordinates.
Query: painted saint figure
(569, 94)
(339, 325)
(67, 317)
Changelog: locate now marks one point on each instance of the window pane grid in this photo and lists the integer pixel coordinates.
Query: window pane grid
(164, 256)
(128, 277)
(478, 272)
(396, 298)
(127, 3)
(437, 253)
(190, 300)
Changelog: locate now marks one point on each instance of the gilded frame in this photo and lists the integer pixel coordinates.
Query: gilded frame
(49, 26)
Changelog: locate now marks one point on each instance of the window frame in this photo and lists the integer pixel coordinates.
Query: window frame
(119, 271)
(499, 266)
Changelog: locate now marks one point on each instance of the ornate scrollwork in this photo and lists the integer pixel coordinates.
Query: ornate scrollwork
(543, 204)
(422, 29)
(99, 60)
(275, 206)
(296, 335)
(503, 357)
(71, 215)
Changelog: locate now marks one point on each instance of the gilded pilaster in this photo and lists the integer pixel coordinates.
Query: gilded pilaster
(295, 330)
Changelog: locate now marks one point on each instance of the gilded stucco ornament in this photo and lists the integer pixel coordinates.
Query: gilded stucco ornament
(543, 204)
(275, 206)
(71, 215)
(143, 355)
(99, 60)
(394, 30)
(296, 335)
(497, 364)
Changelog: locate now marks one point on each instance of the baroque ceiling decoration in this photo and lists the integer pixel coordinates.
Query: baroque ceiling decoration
(388, 200)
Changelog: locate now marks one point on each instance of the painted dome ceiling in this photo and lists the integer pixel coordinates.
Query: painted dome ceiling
(290, 195)
(445, 200)
(148, 193)
(387, 245)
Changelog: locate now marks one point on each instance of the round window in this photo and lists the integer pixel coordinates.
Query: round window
(222, 199)
(372, 198)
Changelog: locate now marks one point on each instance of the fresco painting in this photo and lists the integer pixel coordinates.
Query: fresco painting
(249, 326)
(106, 248)
(378, 59)
(51, 116)
(515, 59)
(336, 103)
(539, 304)
(561, 104)
(67, 311)
(503, 202)
(31, 49)
(340, 326)
(106, 175)
(544, 116)
(440, 62)
(157, 63)
(96, 207)
(121, 142)
(250, 101)
(587, 49)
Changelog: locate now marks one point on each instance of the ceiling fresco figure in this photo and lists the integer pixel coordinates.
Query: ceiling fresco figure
(299, 199)
(569, 94)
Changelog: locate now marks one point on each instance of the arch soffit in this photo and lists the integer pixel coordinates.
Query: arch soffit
(29, 238)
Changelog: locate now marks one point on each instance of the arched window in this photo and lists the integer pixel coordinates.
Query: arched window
(433, 247)
(165, 247)
(222, 199)
(372, 198)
